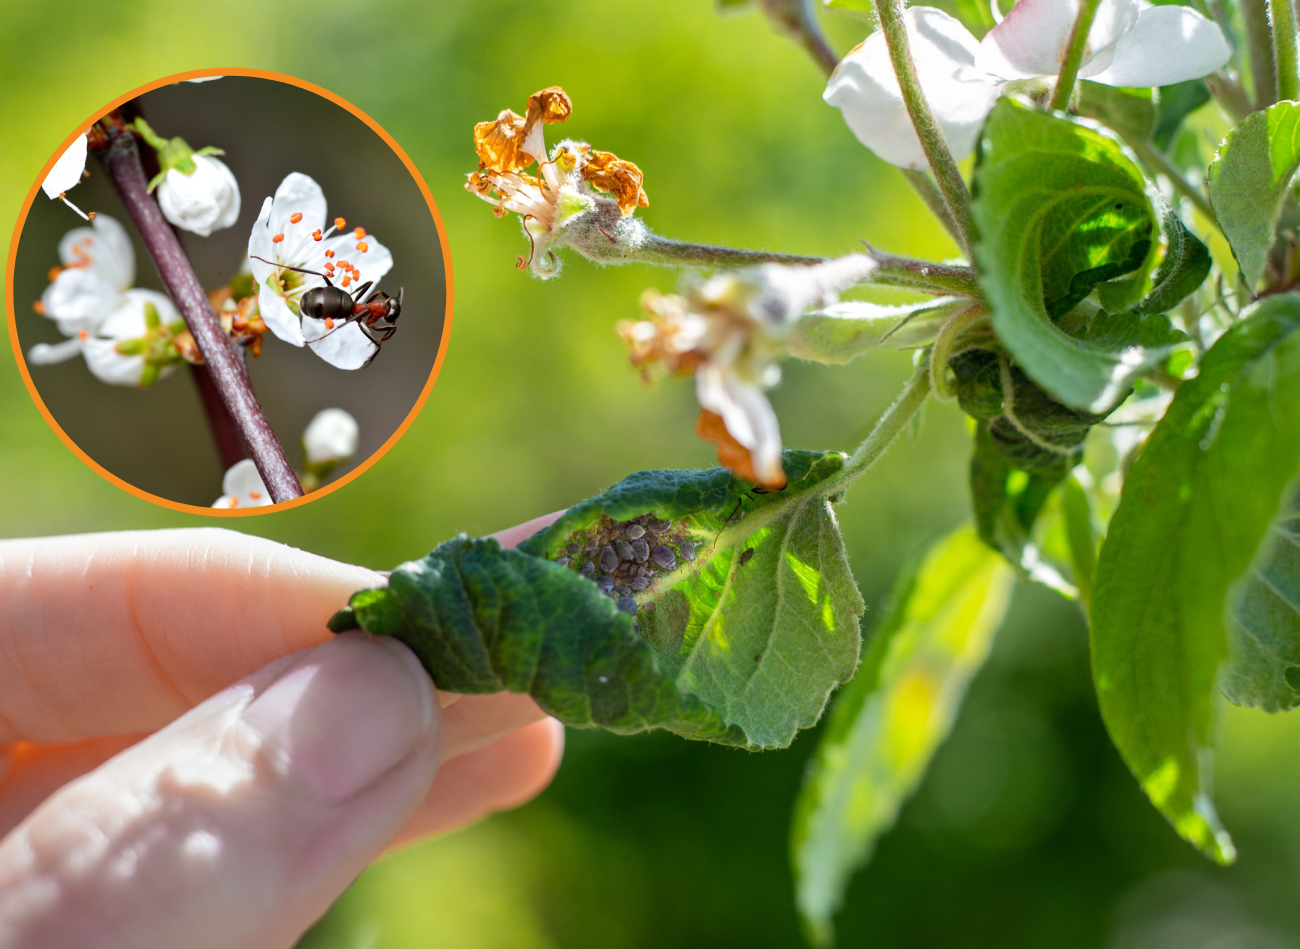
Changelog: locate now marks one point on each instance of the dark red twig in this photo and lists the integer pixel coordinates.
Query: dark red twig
(121, 161)
(225, 433)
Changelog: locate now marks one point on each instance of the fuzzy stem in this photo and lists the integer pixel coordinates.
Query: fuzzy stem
(923, 276)
(662, 250)
(797, 19)
(1230, 95)
(121, 162)
(1259, 40)
(1074, 55)
(225, 433)
(943, 341)
(1285, 53)
(946, 174)
(1157, 162)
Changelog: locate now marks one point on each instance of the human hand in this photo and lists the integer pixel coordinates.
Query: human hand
(188, 758)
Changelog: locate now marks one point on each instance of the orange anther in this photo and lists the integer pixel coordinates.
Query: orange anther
(39, 307)
(329, 253)
(90, 216)
(362, 247)
(346, 281)
(316, 235)
(295, 217)
(277, 238)
(234, 502)
(254, 494)
(53, 274)
(340, 223)
(83, 335)
(359, 233)
(329, 323)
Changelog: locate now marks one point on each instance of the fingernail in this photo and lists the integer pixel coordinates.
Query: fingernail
(347, 713)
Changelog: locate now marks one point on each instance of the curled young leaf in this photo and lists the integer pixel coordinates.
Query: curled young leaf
(1195, 507)
(746, 613)
(1061, 209)
(840, 333)
(887, 724)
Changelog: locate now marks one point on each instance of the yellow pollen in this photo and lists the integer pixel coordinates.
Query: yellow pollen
(90, 216)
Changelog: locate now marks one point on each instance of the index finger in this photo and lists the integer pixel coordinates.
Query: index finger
(119, 633)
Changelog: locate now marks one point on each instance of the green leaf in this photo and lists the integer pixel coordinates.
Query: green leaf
(862, 9)
(1176, 103)
(1184, 268)
(1263, 667)
(1130, 112)
(748, 619)
(1195, 506)
(889, 721)
(1081, 536)
(842, 332)
(1059, 209)
(1249, 180)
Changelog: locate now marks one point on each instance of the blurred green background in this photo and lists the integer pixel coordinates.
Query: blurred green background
(1028, 831)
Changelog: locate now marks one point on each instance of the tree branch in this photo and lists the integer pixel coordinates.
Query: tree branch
(121, 162)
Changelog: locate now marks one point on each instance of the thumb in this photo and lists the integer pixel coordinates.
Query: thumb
(241, 822)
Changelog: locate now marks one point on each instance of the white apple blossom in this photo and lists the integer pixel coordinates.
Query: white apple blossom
(242, 486)
(203, 200)
(330, 437)
(727, 330)
(292, 231)
(1130, 44)
(67, 173)
(98, 267)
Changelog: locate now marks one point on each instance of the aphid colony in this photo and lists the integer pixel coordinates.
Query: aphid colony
(623, 557)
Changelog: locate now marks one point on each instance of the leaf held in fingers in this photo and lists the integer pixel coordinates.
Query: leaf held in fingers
(1061, 209)
(1263, 668)
(746, 614)
(1195, 507)
(1249, 180)
(888, 722)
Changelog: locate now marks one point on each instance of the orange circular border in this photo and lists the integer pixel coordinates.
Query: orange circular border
(333, 485)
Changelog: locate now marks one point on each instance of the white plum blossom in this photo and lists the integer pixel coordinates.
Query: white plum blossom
(292, 231)
(330, 437)
(203, 200)
(132, 347)
(1131, 43)
(67, 173)
(243, 487)
(98, 267)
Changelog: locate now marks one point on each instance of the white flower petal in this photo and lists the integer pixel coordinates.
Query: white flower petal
(277, 315)
(43, 354)
(242, 486)
(127, 320)
(79, 299)
(1169, 44)
(108, 365)
(1031, 39)
(260, 243)
(298, 194)
(67, 171)
(330, 437)
(864, 88)
(206, 201)
(746, 413)
(347, 347)
(104, 247)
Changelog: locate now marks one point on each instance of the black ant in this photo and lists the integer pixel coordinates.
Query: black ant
(337, 308)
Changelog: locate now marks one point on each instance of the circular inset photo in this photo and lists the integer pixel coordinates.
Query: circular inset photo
(230, 293)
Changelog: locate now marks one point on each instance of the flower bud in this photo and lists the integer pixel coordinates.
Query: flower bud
(203, 200)
(330, 437)
(242, 486)
(133, 346)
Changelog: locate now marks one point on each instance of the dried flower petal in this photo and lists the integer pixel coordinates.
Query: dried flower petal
(606, 172)
(710, 427)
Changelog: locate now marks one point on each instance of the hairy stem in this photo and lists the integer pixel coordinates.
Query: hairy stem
(663, 250)
(225, 433)
(1259, 41)
(1074, 55)
(121, 162)
(923, 276)
(1230, 95)
(797, 19)
(1155, 161)
(1286, 56)
(943, 341)
(946, 175)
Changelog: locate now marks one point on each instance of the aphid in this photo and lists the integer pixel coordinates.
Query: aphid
(635, 532)
(640, 550)
(573, 550)
(588, 570)
(605, 583)
(337, 308)
(746, 557)
(627, 605)
(639, 583)
(608, 559)
(664, 557)
(623, 549)
(688, 550)
(562, 561)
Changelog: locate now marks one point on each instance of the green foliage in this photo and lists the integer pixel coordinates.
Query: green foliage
(1176, 103)
(1184, 267)
(1131, 112)
(844, 331)
(1060, 209)
(1263, 668)
(1250, 180)
(747, 621)
(1194, 509)
(889, 721)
